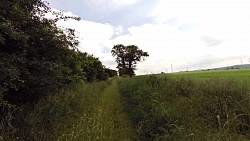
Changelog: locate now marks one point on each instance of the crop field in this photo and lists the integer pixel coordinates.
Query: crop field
(204, 105)
(234, 73)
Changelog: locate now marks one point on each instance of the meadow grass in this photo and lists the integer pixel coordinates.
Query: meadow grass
(107, 121)
(232, 73)
(186, 108)
(81, 112)
(57, 116)
(212, 105)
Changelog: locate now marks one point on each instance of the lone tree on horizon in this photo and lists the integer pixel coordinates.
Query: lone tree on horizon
(127, 57)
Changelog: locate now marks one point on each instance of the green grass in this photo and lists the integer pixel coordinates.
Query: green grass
(180, 106)
(236, 73)
(107, 121)
(185, 108)
(82, 112)
(57, 116)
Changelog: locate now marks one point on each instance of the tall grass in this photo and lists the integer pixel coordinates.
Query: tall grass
(167, 108)
(109, 122)
(160, 108)
(65, 116)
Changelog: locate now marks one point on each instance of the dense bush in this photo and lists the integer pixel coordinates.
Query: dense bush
(166, 108)
(38, 58)
(111, 73)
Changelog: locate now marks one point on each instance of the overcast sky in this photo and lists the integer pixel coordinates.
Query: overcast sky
(189, 34)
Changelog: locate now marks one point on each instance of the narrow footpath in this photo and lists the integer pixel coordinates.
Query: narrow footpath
(111, 122)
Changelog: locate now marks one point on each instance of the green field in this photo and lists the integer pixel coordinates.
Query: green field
(236, 73)
(201, 105)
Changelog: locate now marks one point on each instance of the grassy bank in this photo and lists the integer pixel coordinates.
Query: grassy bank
(184, 108)
(58, 117)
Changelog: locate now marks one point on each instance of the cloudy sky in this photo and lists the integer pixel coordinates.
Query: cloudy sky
(187, 34)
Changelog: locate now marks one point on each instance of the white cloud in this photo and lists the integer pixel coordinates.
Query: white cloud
(223, 21)
(211, 41)
(213, 17)
(191, 34)
(126, 2)
(91, 34)
(94, 38)
(108, 5)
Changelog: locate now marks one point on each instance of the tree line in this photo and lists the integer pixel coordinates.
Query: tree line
(38, 61)
(36, 57)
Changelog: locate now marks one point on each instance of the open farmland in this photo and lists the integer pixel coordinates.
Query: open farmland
(204, 105)
(234, 73)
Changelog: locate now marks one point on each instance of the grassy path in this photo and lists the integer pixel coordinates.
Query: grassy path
(111, 122)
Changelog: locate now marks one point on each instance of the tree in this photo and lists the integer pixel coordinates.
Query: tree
(127, 57)
(92, 67)
(36, 57)
(111, 72)
(37, 60)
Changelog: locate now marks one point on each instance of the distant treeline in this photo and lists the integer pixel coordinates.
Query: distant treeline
(243, 66)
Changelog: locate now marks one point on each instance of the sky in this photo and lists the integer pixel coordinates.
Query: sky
(184, 34)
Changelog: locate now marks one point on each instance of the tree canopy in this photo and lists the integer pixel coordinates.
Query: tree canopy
(36, 57)
(127, 57)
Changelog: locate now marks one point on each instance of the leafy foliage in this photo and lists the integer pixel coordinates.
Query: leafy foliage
(37, 59)
(92, 67)
(110, 72)
(127, 57)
